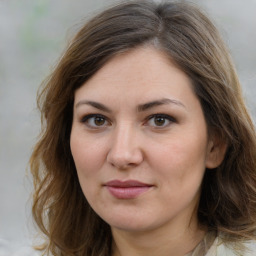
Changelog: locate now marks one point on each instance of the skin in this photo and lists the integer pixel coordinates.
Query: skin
(124, 141)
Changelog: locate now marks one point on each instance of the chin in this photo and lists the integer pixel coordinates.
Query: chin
(132, 224)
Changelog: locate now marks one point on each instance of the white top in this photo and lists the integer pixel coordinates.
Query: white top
(219, 248)
(213, 245)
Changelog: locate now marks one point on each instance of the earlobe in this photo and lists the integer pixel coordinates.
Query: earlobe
(216, 152)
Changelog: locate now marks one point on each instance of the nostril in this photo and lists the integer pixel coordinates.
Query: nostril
(125, 160)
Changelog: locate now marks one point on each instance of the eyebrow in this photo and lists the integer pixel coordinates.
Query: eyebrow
(93, 104)
(140, 108)
(155, 103)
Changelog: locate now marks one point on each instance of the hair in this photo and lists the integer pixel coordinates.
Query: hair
(190, 40)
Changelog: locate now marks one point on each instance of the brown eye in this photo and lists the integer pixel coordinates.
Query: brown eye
(160, 120)
(95, 121)
(99, 121)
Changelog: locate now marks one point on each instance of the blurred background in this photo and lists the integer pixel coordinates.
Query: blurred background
(33, 34)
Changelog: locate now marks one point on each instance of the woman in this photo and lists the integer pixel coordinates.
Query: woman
(147, 147)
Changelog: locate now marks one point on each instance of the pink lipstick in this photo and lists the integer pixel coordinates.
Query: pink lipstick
(129, 189)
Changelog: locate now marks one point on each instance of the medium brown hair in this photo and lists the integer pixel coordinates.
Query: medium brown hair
(189, 39)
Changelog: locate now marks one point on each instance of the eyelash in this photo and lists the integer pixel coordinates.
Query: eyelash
(87, 118)
(164, 117)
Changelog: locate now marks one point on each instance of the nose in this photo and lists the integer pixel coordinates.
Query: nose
(125, 149)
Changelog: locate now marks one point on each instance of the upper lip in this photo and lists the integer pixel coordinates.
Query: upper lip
(126, 184)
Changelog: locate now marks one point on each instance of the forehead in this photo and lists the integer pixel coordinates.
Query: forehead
(144, 70)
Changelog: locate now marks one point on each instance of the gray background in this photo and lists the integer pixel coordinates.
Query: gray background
(33, 34)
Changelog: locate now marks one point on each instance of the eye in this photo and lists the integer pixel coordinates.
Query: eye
(95, 121)
(160, 120)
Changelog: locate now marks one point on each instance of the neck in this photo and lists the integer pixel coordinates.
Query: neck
(164, 242)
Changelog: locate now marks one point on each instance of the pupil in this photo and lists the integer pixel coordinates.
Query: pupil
(159, 121)
(99, 121)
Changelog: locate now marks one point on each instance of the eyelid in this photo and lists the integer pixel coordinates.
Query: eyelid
(171, 119)
(85, 120)
(87, 117)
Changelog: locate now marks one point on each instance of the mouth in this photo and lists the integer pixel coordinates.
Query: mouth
(129, 189)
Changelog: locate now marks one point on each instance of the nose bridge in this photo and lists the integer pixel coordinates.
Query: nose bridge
(125, 149)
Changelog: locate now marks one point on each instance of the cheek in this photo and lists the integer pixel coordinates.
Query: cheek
(88, 154)
(180, 161)
(179, 172)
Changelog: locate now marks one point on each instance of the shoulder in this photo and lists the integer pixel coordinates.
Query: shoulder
(219, 248)
(230, 249)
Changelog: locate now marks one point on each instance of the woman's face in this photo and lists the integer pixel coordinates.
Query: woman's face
(139, 142)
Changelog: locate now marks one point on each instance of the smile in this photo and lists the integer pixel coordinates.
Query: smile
(129, 189)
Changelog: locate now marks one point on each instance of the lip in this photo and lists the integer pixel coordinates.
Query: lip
(128, 189)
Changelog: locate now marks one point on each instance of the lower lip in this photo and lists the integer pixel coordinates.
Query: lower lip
(127, 192)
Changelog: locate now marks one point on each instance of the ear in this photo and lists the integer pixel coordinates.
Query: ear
(216, 151)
